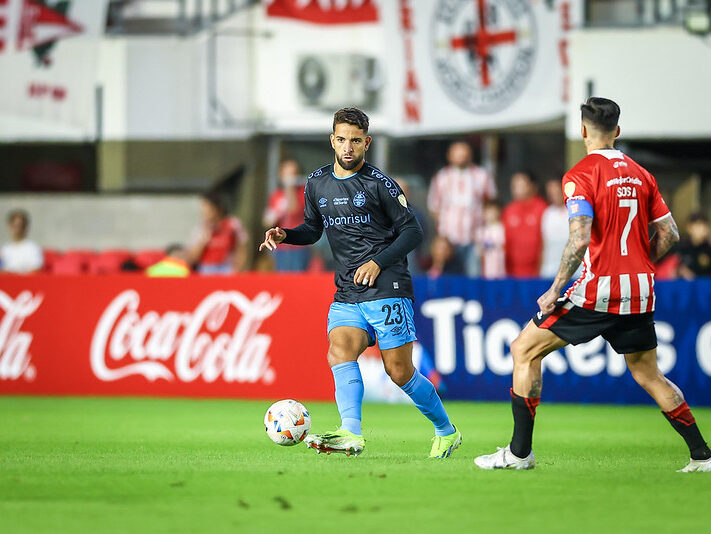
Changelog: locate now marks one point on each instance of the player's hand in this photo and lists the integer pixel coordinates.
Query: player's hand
(272, 238)
(546, 302)
(366, 274)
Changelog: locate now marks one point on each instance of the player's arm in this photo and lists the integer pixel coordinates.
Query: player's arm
(665, 235)
(579, 230)
(409, 236)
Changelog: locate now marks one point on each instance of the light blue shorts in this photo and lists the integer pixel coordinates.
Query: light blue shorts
(391, 320)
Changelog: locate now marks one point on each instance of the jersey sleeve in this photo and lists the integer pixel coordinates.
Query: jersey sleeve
(658, 208)
(394, 203)
(579, 198)
(312, 217)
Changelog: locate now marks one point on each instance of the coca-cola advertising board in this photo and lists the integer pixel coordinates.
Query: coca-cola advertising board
(260, 336)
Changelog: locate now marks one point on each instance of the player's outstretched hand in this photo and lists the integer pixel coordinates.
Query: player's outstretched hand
(546, 302)
(272, 238)
(366, 274)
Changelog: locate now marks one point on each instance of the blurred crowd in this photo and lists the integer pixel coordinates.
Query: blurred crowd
(469, 231)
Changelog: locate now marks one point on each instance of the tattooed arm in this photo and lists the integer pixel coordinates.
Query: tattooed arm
(578, 241)
(665, 235)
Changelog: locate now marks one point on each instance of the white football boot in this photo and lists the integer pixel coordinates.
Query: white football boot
(697, 466)
(503, 458)
(341, 441)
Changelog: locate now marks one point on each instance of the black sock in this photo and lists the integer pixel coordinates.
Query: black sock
(524, 413)
(684, 423)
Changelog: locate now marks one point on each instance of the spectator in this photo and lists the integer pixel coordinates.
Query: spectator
(173, 265)
(522, 223)
(219, 245)
(456, 197)
(442, 258)
(554, 229)
(415, 257)
(286, 210)
(491, 240)
(695, 249)
(20, 255)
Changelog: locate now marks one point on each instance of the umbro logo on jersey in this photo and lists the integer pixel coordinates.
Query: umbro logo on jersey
(322, 202)
(359, 199)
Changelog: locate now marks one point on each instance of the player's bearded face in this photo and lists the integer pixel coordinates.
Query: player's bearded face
(350, 144)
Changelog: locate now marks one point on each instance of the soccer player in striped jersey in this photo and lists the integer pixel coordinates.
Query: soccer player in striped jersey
(612, 201)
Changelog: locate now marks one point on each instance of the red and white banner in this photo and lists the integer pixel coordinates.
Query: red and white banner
(51, 49)
(324, 11)
(249, 336)
(477, 64)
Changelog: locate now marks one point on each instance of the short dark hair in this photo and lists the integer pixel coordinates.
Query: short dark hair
(352, 116)
(173, 248)
(697, 217)
(528, 174)
(22, 214)
(601, 112)
(218, 200)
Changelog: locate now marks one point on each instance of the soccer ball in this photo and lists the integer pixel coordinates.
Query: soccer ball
(287, 422)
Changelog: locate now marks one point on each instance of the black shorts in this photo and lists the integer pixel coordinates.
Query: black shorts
(626, 333)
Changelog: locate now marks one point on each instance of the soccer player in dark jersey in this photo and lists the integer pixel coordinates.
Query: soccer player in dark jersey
(370, 228)
(612, 201)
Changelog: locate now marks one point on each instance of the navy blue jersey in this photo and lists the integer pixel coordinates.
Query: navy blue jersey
(361, 215)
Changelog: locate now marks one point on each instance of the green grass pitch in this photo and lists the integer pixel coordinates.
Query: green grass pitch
(127, 465)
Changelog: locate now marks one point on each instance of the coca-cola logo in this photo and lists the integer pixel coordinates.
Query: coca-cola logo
(220, 339)
(15, 357)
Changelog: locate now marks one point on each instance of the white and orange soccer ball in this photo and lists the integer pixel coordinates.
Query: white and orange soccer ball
(287, 422)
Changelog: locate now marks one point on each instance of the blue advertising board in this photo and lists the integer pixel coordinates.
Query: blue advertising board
(467, 326)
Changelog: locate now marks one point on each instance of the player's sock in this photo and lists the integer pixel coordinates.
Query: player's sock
(349, 395)
(524, 414)
(425, 397)
(684, 423)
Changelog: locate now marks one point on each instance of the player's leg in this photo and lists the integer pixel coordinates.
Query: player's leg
(528, 349)
(348, 335)
(398, 365)
(393, 321)
(644, 369)
(345, 344)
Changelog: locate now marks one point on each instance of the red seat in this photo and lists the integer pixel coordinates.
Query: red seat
(147, 257)
(109, 261)
(73, 261)
(68, 265)
(50, 256)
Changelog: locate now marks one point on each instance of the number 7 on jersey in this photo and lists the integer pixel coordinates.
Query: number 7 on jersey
(630, 203)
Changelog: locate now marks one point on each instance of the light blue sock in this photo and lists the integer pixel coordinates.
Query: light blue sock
(425, 397)
(349, 394)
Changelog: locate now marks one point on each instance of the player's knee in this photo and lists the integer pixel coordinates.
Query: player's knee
(643, 376)
(399, 372)
(521, 351)
(341, 351)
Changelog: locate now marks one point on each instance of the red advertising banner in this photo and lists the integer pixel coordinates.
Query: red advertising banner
(324, 12)
(247, 336)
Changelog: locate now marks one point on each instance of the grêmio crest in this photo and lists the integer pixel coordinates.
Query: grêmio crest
(483, 51)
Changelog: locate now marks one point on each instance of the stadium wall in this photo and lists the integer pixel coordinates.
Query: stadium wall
(67, 220)
(658, 76)
(263, 336)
